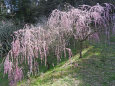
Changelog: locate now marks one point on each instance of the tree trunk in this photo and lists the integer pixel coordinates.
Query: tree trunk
(81, 44)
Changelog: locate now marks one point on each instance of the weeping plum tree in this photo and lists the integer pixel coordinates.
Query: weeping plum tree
(33, 43)
(85, 21)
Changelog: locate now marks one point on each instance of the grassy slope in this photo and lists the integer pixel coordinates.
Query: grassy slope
(96, 68)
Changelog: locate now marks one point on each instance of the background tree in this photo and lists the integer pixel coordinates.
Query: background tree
(31, 10)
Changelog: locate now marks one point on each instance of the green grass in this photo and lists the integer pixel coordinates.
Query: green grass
(96, 68)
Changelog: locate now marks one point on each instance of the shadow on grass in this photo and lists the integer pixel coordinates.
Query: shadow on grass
(98, 67)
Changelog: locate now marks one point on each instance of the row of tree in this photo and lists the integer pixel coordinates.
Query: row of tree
(32, 46)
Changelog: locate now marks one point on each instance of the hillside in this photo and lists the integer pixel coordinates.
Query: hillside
(96, 68)
(57, 43)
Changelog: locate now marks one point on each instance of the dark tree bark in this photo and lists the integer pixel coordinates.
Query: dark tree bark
(81, 46)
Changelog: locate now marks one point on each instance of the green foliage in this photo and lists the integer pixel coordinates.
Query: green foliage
(3, 9)
(6, 30)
